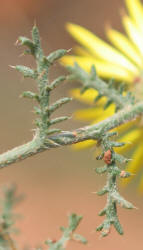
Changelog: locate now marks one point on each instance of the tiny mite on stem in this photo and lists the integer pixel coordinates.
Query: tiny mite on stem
(107, 157)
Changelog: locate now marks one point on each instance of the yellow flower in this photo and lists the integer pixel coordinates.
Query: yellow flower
(123, 61)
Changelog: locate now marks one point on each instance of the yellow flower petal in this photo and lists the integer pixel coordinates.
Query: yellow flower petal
(136, 11)
(88, 96)
(82, 52)
(87, 114)
(133, 32)
(104, 114)
(98, 47)
(135, 164)
(84, 144)
(96, 114)
(126, 126)
(104, 69)
(122, 43)
(131, 139)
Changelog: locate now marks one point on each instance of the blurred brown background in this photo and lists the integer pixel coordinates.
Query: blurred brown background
(60, 181)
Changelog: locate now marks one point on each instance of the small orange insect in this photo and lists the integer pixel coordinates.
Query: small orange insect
(107, 157)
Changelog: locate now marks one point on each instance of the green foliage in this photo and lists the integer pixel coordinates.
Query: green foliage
(68, 234)
(7, 217)
(40, 74)
(47, 137)
(92, 80)
(110, 188)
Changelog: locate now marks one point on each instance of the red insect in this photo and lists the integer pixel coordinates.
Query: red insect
(108, 157)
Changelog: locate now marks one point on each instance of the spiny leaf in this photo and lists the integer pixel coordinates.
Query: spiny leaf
(56, 55)
(59, 119)
(120, 158)
(116, 144)
(118, 227)
(97, 98)
(53, 131)
(31, 95)
(102, 212)
(58, 104)
(100, 227)
(103, 191)
(78, 72)
(83, 90)
(26, 71)
(80, 238)
(27, 42)
(101, 170)
(108, 103)
(74, 220)
(37, 110)
(36, 36)
(118, 198)
(57, 82)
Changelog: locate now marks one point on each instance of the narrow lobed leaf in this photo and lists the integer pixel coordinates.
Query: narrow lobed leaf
(26, 71)
(108, 103)
(53, 131)
(103, 191)
(31, 95)
(59, 119)
(56, 55)
(36, 36)
(102, 212)
(118, 227)
(57, 82)
(58, 104)
(27, 42)
(80, 238)
(74, 220)
(120, 200)
(101, 170)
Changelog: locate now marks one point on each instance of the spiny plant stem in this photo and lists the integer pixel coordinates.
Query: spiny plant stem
(110, 188)
(92, 81)
(46, 137)
(68, 234)
(37, 145)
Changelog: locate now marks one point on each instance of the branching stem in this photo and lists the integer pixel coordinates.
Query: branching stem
(38, 145)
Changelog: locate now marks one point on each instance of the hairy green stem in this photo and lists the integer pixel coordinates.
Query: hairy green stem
(39, 144)
(91, 80)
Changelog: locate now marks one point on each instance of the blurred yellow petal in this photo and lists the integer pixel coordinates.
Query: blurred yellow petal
(133, 32)
(131, 139)
(104, 114)
(122, 43)
(126, 126)
(135, 164)
(136, 11)
(87, 114)
(96, 114)
(88, 96)
(104, 69)
(84, 144)
(82, 52)
(100, 48)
